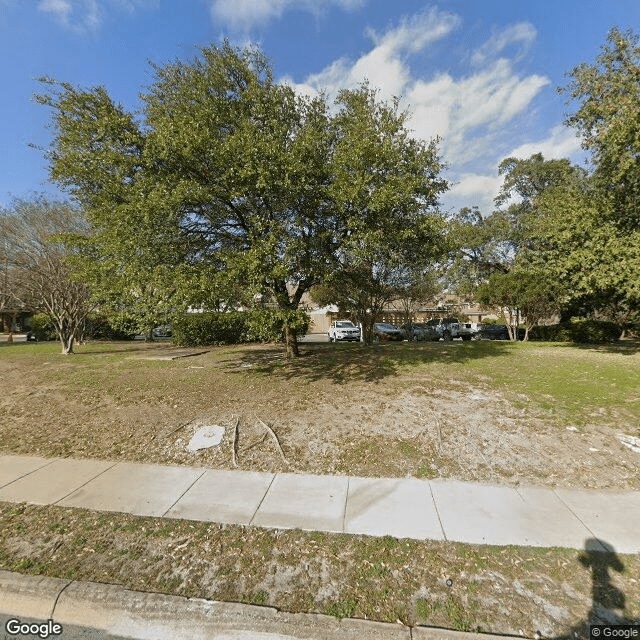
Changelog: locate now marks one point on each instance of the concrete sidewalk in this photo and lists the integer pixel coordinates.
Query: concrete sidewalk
(400, 507)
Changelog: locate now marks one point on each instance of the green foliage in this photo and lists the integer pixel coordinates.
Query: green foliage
(104, 327)
(608, 94)
(42, 327)
(268, 325)
(199, 329)
(230, 185)
(235, 327)
(582, 248)
(578, 330)
(588, 330)
(344, 608)
(386, 188)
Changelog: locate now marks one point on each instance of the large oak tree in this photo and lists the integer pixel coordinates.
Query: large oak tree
(226, 177)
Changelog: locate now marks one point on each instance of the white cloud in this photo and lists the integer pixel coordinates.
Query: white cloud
(60, 9)
(473, 189)
(244, 14)
(452, 108)
(561, 143)
(477, 189)
(473, 183)
(523, 33)
(86, 15)
(467, 113)
(384, 66)
(416, 32)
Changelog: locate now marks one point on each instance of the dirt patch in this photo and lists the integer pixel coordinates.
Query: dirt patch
(516, 591)
(427, 411)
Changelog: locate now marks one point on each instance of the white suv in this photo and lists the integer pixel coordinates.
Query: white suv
(343, 330)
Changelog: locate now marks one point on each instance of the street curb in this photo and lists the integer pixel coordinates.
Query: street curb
(153, 616)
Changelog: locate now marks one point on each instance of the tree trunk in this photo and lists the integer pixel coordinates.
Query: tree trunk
(367, 329)
(291, 342)
(506, 316)
(67, 344)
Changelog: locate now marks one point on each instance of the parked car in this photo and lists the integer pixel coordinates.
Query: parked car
(163, 331)
(442, 327)
(429, 332)
(461, 330)
(385, 332)
(492, 332)
(343, 330)
(419, 332)
(411, 332)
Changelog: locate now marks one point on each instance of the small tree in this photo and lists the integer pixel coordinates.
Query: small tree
(360, 290)
(43, 279)
(520, 295)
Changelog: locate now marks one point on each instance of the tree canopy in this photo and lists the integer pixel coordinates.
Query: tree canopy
(608, 119)
(228, 180)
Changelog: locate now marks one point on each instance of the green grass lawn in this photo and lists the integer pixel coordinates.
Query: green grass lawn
(105, 401)
(108, 401)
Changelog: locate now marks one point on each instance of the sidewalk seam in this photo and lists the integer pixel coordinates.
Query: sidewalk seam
(84, 484)
(30, 472)
(346, 500)
(183, 493)
(262, 500)
(435, 506)
(575, 515)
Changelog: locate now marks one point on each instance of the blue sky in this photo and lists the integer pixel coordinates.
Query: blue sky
(482, 75)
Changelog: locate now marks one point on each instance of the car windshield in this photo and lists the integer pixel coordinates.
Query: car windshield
(345, 325)
(385, 327)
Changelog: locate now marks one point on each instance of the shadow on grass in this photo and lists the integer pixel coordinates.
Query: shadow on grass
(125, 347)
(627, 347)
(345, 363)
(608, 603)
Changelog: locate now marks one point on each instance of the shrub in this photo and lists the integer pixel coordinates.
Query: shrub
(267, 325)
(42, 327)
(551, 332)
(578, 330)
(199, 329)
(234, 327)
(589, 330)
(104, 327)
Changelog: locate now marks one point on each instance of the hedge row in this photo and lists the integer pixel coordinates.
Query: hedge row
(97, 327)
(234, 327)
(578, 330)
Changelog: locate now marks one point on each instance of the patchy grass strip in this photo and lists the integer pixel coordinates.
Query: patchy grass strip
(508, 590)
